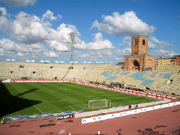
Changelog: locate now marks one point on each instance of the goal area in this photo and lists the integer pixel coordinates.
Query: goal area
(99, 104)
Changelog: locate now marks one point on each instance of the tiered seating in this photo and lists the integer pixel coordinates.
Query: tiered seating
(153, 74)
(159, 80)
(124, 77)
(168, 69)
(174, 87)
(147, 82)
(93, 72)
(167, 75)
(138, 75)
(111, 78)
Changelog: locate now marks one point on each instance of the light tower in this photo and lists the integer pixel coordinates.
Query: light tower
(72, 35)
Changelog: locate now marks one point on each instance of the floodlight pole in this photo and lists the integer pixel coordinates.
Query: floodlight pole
(72, 35)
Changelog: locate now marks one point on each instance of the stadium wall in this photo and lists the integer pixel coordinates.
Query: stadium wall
(104, 111)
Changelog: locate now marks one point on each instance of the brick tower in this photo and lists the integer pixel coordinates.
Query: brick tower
(139, 59)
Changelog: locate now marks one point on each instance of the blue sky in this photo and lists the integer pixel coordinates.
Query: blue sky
(39, 29)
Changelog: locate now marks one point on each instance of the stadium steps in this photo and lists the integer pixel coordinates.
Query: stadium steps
(175, 86)
(168, 69)
(161, 82)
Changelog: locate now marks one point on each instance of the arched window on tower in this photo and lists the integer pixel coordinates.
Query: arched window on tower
(136, 41)
(143, 42)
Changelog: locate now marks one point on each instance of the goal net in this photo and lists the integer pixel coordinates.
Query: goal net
(98, 104)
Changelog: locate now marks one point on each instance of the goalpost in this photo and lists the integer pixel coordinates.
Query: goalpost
(99, 104)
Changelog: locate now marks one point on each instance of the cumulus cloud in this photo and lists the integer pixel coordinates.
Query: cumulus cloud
(1, 52)
(33, 35)
(85, 55)
(162, 44)
(151, 45)
(51, 54)
(19, 49)
(4, 22)
(9, 45)
(107, 52)
(13, 3)
(127, 23)
(98, 44)
(31, 29)
(119, 59)
(58, 46)
(28, 29)
(164, 53)
(50, 15)
(124, 52)
(126, 41)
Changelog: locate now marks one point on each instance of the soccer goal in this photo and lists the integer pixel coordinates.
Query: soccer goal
(99, 104)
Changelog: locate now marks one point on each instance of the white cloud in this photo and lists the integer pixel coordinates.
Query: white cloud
(127, 23)
(119, 59)
(1, 52)
(9, 45)
(124, 52)
(164, 53)
(126, 41)
(4, 23)
(28, 29)
(33, 37)
(19, 2)
(98, 44)
(31, 34)
(85, 55)
(162, 44)
(107, 52)
(58, 46)
(20, 54)
(50, 15)
(51, 54)
(18, 49)
(151, 45)
(3, 11)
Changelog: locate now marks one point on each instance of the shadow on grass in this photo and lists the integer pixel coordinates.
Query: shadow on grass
(10, 104)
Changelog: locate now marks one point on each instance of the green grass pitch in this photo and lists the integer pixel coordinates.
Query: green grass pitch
(19, 99)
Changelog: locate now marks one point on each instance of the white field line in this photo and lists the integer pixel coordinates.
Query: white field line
(37, 108)
(56, 100)
(71, 107)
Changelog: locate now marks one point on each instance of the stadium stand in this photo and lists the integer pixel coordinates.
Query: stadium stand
(163, 79)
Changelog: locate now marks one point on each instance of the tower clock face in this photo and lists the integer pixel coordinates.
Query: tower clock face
(136, 41)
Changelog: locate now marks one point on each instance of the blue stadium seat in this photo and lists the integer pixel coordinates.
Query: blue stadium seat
(160, 75)
(107, 73)
(117, 72)
(167, 75)
(153, 74)
(138, 75)
(126, 72)
(147, 82)
(111, 78)
(122, 73)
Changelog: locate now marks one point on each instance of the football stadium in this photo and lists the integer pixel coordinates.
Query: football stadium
(55, 80)
(86, 94)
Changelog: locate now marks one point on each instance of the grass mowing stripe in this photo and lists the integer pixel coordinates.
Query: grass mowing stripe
(44, 94)
(58, 105)
(61, 97)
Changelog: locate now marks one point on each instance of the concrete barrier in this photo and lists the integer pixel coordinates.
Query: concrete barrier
(104, 111)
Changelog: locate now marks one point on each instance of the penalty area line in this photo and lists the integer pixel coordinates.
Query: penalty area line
(37, 108)
(71, 107)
